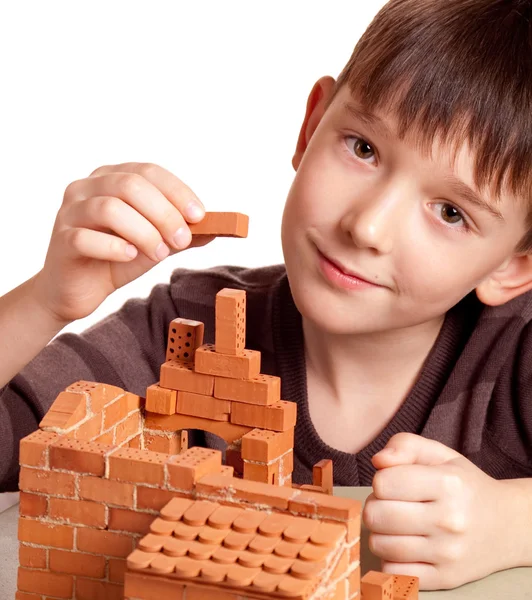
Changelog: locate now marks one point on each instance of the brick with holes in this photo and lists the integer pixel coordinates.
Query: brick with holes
(230, 332)
(184, 336)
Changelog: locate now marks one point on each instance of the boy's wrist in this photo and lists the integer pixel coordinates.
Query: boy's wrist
(516, 513)
(54, 322)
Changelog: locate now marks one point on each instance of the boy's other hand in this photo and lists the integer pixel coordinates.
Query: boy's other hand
(435, 515)
(113, 227)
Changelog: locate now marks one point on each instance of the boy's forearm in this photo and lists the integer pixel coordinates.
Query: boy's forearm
(25, 329)
(518, 516)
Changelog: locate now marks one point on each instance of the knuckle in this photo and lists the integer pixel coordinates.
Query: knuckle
(129, 183)
(74, 237)
(99, 171)
(108, 208)
(454, 522)
(379, 484)
(147, 170)
(374, 544)
(72, 190)
(452, 483)
(369, 515)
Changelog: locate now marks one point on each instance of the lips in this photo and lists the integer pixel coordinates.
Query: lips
(346, 271)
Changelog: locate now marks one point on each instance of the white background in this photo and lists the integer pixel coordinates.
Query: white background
(215, 91)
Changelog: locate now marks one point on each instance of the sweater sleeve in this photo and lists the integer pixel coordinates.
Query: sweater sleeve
(124, 349)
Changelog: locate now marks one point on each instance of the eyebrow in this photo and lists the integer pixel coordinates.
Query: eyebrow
(457, 185)
(368, 118)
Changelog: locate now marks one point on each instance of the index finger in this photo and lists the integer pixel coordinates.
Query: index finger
(410, 483)
(177, 192)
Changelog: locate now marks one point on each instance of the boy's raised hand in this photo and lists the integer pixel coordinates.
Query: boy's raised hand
(112, 227)
(436, 515)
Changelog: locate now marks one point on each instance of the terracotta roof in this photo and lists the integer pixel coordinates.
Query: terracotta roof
(205, 542)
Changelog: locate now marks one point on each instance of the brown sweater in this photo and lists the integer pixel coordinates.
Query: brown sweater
(474, 393)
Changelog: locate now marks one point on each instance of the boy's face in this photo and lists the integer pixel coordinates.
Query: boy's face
(374, 205)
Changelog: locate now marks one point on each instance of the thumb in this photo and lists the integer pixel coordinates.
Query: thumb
(411, 449)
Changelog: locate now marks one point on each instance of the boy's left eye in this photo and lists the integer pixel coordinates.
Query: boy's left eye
(361, 148)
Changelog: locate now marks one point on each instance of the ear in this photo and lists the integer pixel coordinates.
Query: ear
(511, 279)
(316, 103)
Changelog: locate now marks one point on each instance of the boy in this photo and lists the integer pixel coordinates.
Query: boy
(403, 307)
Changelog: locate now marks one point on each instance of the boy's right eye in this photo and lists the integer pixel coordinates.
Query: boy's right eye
(361, 148)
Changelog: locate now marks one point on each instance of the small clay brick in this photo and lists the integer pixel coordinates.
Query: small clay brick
(78, 512)
(262, 445)
(207, 407)
(138, 585)
(44, 534)
(184, 337)
(90, 429)
(98, 394)
(263, 389)
(263, 472)
(230, 323)
(130, 426)
(313, 552)
(34, 448)
(79, 456)
(107, 438)
(376, 586)
(32, 505)
(305, 569)
(183, 445)
(405, 587)
(135, 402)
(137, 466)
(322, 475)
(77, 563)
(229, 432)
(179, 375)
(160, 400)
(47, 482)
(117, 570)
(139, 559)
(287, 464)
(33, 558)
(106, 491)
(106, 543)
(185, 469)
(222, 224)
(121, 519)
(247, 491)
(115, 412)
(353, 529)
(276, 564)
(168, 443)
(87, 589)
(152, 498)
(323, 505)
(41, 582)
(280, 416)
(243, 366)
(212, 537)
(297, 589)
(151, 543)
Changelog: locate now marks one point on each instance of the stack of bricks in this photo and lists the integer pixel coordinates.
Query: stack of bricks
(89, 491)
(233, 539)
(219, 388)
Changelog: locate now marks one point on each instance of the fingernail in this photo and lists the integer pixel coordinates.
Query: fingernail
(162, 251)
(194, 211)
(182, 237)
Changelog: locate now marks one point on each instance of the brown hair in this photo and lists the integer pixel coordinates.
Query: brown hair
(459, 69)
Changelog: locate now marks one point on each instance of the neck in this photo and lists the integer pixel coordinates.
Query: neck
(371, 365)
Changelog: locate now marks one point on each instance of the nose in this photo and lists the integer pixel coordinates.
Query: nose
(372, 220)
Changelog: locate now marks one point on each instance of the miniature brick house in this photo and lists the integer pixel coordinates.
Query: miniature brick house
(114, 504)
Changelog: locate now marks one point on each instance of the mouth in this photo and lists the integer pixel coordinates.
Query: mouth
(343, 276)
